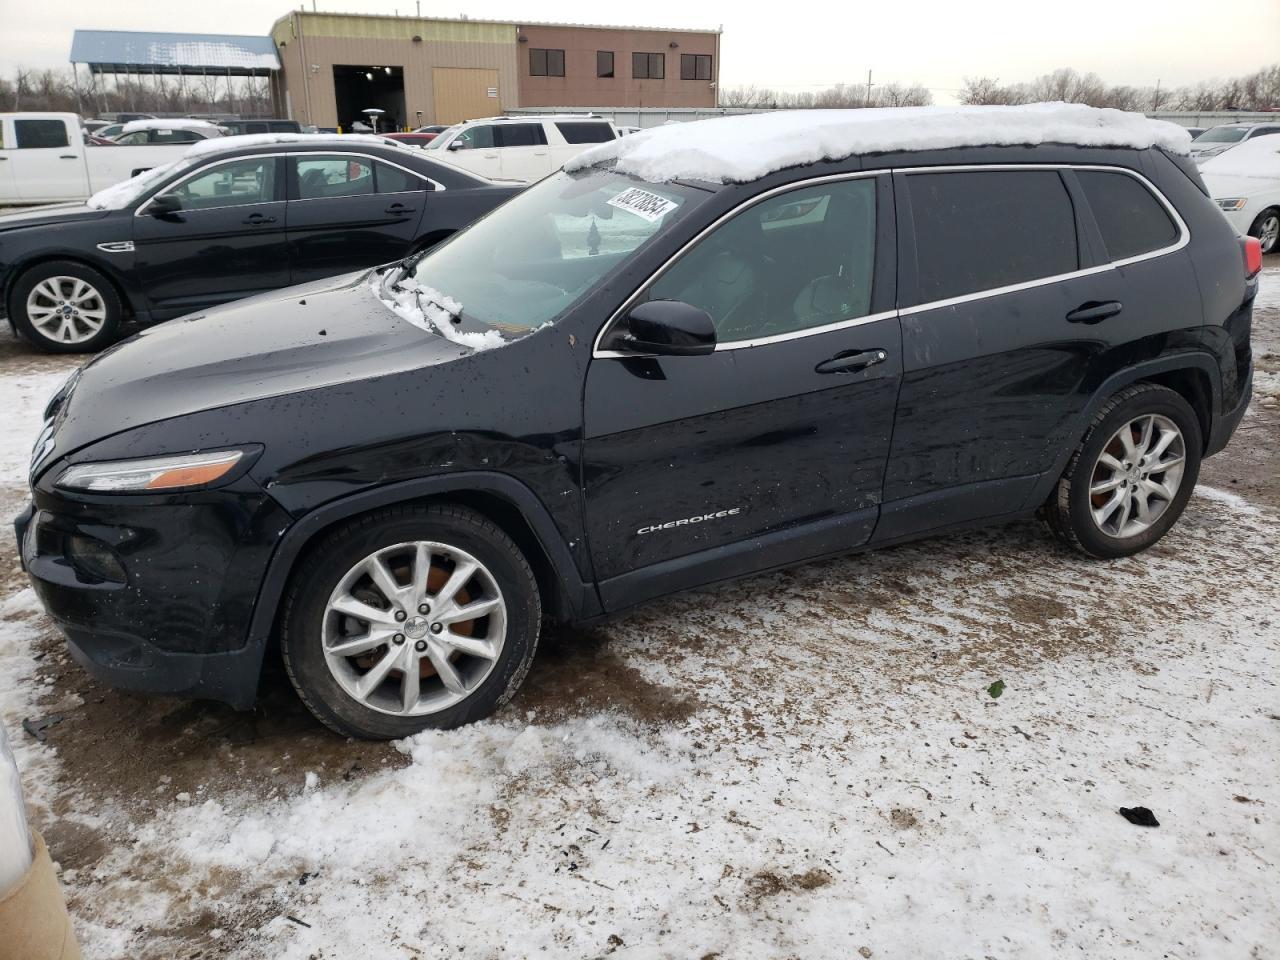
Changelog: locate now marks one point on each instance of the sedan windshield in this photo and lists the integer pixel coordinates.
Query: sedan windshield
(1222, 135)
(546, 248)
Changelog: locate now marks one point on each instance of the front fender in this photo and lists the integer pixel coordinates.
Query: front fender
(579, 594)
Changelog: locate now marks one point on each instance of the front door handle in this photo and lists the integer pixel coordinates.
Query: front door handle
(851, 362)
(397, 208)
(256, 219)
(68, 156)
(1094, 312)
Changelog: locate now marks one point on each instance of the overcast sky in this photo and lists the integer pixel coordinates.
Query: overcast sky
(796, 45)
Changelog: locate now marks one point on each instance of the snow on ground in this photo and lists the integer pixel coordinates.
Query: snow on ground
(839, 777)
(742, 148)
(803, 764)
(23, 399)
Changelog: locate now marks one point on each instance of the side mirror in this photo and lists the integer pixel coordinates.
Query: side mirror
(456, 145)
(165, 203)
(668, 328)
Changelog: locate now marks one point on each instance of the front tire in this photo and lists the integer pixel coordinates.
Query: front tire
(410, 618)
(1267, 229)
(1131, 476)
(66, 307)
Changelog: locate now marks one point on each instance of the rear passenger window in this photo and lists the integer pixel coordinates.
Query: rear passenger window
(322, 177)
(394, 180)
(1131, 220)
(37, 134)
(986, 229)
(521, 135)
(583, 132)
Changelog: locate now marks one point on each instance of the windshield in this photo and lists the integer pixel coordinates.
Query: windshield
(546, 248)
(441, 137)
(1222, 135)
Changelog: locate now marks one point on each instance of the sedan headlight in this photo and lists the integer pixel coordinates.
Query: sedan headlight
(1232, 203)
(154, 473)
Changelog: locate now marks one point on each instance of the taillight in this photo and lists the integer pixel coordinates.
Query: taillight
(1252, 256)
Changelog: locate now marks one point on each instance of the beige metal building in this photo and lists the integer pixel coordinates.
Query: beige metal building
(427, 70)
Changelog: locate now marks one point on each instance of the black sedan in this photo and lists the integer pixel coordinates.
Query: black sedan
(227, 221)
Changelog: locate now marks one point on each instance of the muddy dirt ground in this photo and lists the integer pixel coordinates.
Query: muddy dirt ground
(124, 757)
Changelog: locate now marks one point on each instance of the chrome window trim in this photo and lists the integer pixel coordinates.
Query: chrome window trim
(372, 159)
(1184, 238)
(281, 153)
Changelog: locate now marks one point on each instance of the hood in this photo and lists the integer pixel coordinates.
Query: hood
(1224, 185)
(302, 338)
(52, 213)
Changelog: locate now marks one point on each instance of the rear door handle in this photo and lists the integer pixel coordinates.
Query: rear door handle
(851, 362)
(68, 156)
(257, 218)
(396, 208)
(1094, 312)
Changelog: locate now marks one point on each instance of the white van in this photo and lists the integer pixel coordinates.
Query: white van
(520, 148)
(44, 159)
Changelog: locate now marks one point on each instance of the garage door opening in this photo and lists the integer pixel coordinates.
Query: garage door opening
(360, 88)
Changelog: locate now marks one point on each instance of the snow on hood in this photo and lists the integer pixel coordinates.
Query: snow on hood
(431, 310)
(744, 148)
(181, 123)
(1259, 157)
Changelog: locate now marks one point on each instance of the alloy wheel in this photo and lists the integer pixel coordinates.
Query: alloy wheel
(414, 628)
(1269, 232)
(1137, 476)
(66, 309)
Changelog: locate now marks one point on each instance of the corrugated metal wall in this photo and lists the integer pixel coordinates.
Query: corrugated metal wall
(314, 43)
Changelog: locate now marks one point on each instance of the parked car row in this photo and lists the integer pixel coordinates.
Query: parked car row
(689, 356)
(226, 222)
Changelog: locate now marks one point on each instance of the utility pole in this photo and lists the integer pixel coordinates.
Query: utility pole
(1155, 101)
(869, 86)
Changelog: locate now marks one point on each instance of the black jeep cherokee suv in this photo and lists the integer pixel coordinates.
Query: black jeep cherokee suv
(610, 389)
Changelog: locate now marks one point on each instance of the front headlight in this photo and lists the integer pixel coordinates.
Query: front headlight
(1232, 203)
(154, 473)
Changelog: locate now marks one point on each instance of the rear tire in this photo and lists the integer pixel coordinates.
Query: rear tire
(394, 588)
(66, 307)
(1131, 476)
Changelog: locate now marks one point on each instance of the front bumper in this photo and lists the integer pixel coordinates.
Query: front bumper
(174, 617)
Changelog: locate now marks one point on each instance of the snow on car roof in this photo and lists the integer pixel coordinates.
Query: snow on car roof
(223, 144)
(180, 123)
(743, 148)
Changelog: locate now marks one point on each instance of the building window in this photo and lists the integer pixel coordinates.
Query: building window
(604, 63)
(648, 66)
(546, 63)
(695, 66)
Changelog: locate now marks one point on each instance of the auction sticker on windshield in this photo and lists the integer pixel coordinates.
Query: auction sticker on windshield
(648, 206)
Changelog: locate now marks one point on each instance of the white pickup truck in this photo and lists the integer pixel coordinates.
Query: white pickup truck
(44, 159)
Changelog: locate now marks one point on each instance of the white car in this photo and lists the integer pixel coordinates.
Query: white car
(43, 159)
(520, 148)
(1245, 184)
(1218, 140)
(138, 132)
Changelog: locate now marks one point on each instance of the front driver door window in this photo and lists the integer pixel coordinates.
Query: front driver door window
(476, 149)
(773, 447)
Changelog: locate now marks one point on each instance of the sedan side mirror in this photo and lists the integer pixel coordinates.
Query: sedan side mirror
(165, 203)
(669, 328)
